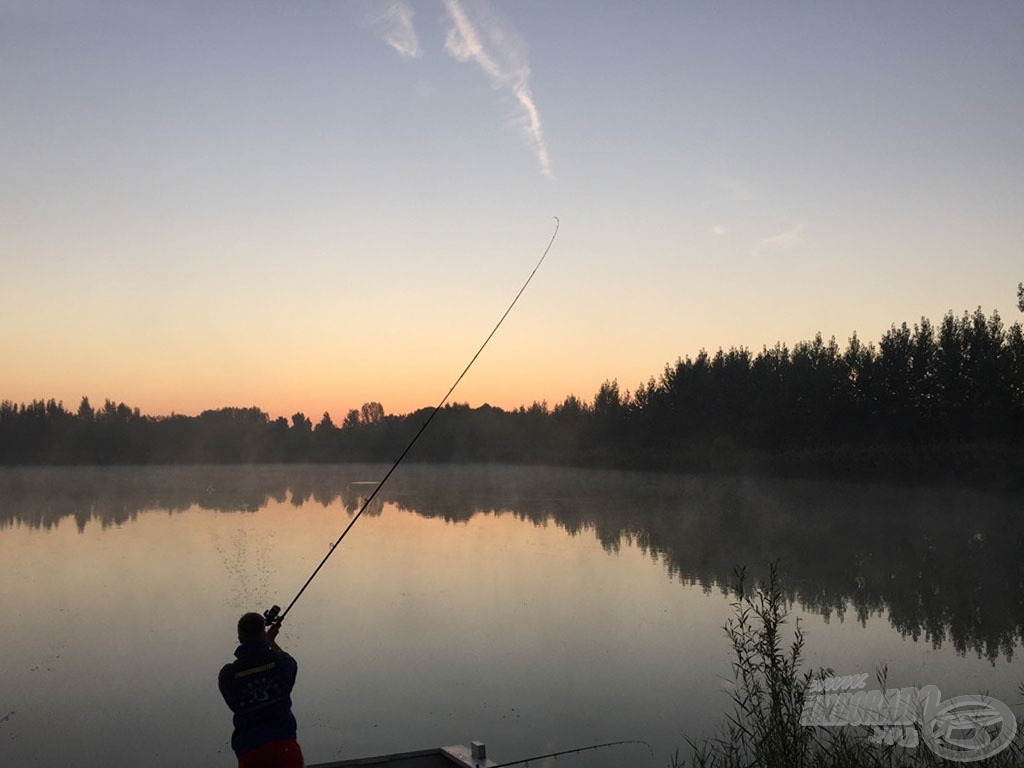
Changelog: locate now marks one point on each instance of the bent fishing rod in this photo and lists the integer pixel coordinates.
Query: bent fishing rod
(274, 615)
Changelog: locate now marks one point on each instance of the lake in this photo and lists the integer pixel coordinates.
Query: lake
(533, 609)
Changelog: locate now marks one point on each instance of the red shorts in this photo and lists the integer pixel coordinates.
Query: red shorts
(276, 754)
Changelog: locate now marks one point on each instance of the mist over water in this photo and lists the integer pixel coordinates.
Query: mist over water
(535, 609)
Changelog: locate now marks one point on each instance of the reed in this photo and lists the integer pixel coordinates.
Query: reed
(769, 687)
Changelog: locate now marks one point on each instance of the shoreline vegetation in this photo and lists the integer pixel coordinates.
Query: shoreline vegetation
(771, 725)
(928, 402)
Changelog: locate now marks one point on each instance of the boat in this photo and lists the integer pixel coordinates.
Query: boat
(457, 756)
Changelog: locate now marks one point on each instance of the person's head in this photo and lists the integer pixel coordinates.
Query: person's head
(251, 628)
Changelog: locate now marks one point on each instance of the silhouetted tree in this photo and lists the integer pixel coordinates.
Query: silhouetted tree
(85, 411)
(325, 447)
(371, 413)
(1013, 373)
(928, 397)
(278, 439)
(229, 435)
(299, 438)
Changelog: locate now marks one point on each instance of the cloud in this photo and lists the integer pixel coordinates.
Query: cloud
(479, 35)
(783, 241)
(393, 22)
(720, 229)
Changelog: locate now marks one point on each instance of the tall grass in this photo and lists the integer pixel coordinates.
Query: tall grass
(769, 689)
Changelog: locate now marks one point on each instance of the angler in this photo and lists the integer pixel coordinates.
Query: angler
(257, 685)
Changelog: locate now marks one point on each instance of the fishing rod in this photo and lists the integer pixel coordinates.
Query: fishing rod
(527, 760)
(274, 615)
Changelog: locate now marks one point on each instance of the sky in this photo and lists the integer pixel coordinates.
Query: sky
(306, 206)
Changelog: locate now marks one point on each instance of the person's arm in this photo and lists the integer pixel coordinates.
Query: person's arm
(272, 636)
(288, 663)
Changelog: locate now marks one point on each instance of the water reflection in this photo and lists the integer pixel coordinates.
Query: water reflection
(943, 564)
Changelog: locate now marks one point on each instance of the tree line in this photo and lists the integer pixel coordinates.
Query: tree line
(925, 397)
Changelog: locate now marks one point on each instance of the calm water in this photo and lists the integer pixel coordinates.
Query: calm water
(533, 609)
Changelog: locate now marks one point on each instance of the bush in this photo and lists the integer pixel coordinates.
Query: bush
(769, 690)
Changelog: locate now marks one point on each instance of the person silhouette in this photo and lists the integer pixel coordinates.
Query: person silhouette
(257, 687)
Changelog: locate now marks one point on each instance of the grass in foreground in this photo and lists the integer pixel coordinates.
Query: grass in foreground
(770, 689)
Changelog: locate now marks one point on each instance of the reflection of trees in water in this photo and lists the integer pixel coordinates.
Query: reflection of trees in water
(943, 564)
(42, 497)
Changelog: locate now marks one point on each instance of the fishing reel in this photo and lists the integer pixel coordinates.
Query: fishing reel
(270, 616)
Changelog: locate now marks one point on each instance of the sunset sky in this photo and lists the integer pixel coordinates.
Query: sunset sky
(304, 206)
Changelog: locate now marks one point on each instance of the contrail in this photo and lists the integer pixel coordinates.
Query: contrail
(500, 52)
(394, 23)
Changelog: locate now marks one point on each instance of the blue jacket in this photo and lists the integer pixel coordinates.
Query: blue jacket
(258, 686)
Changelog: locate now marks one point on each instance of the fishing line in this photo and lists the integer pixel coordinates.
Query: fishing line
(272, 615)
(577, 751)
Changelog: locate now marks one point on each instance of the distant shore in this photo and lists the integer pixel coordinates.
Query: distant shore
(929, 403)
